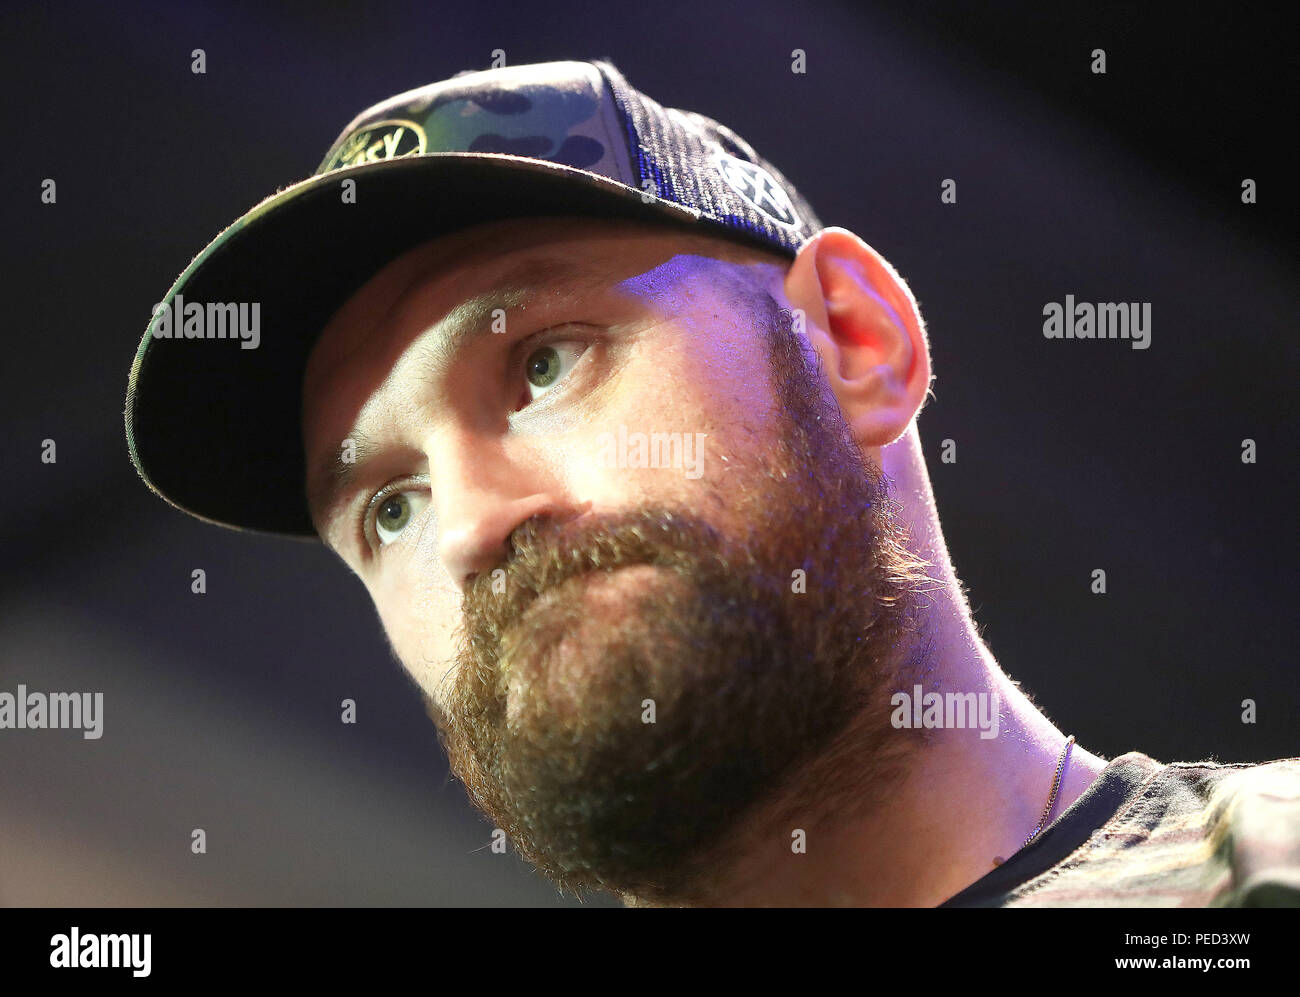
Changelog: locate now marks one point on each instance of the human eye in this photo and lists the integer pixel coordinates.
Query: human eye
(391, 512)
(544, 365)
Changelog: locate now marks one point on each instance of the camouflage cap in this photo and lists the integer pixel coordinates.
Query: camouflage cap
(214, 396)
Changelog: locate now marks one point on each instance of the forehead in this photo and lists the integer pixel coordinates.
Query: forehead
(451, 269)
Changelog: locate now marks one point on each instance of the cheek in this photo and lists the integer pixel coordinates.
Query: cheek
(684, 412)
(718, 383)
(720, 371)
(419, 616)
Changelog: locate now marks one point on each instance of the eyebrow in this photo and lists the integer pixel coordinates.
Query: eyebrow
(470, 320)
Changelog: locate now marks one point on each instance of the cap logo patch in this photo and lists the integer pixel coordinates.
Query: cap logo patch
(378, 141)
(756, 186)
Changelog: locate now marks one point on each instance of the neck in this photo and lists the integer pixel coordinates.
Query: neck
(962, 798)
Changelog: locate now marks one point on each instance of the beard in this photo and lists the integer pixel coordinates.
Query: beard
(638, 698)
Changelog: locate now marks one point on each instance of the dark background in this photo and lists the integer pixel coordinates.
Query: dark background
(222, 711)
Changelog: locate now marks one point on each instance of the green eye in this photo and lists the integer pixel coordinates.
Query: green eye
(392, 516)
(394, 513)
(543, 367)
(547, 365)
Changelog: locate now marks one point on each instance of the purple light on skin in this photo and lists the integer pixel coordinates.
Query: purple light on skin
(676, 286)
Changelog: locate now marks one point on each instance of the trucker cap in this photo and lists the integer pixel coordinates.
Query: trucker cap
(215, 392)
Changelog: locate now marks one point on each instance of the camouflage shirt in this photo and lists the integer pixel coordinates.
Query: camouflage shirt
(1148, 834)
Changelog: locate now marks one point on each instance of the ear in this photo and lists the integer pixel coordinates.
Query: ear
(864, 323)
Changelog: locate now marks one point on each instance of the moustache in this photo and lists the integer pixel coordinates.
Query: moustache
(545, 554)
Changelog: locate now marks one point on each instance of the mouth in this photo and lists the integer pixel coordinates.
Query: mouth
(583, 610)
(600, 588)
(561, 640)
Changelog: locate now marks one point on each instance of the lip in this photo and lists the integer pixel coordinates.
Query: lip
(591, 580)
(595, 604)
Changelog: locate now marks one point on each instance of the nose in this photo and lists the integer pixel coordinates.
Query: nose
(480, 496)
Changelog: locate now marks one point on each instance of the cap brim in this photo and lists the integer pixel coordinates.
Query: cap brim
(214, 427)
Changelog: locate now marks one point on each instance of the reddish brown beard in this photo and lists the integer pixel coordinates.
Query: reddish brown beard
(766, 699)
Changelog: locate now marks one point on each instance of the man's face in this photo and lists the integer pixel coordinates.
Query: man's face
(618, 532)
